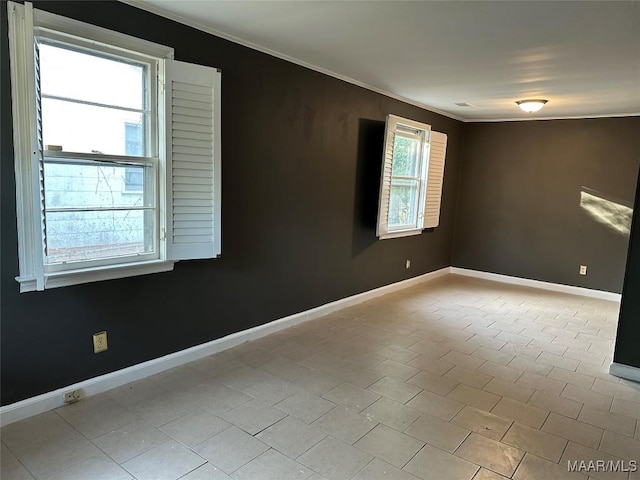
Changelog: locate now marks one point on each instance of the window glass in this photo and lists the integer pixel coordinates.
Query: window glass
(91, 102)
(405, 180)
(93, 185)
(405, 157)
(89, 215)
(403, 203)
(90, 77)
(133, 139)
(89, 129)
(95, 104)
(90, 235)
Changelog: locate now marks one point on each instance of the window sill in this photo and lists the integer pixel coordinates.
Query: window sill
(87, 275)
(401, 233)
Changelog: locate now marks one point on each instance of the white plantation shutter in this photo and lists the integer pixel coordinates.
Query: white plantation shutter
(385, 180)
(38, 166)
(193, 174)
(437, 152)
(27, 144)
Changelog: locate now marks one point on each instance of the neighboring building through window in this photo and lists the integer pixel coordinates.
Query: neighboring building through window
(133, 145)
(133, 139)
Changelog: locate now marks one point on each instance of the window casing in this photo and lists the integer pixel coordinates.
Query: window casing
(93, 141)
(411, 179)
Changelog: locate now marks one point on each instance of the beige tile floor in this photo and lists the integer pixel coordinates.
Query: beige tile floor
(453, 379)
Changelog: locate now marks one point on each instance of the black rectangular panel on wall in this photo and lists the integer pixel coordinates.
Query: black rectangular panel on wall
(627, 349)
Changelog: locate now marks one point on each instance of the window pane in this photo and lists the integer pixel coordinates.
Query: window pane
(405, 157)
(89, 129)
(90, 235)
(133, 139)
(96, 186)
(78, 236)
(403, 203)
(91, 78)
(133, 180)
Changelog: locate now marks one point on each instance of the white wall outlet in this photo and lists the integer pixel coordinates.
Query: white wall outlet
(408, 264)
(72, 396)
(99, 342)
(583, 269)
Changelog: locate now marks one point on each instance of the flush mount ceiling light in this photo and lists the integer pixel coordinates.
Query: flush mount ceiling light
(531, 105)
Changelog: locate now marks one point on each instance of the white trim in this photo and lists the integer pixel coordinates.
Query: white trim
(400, 233)
(625, 371)
(96, 274)
(50, 400)
(254, 46)
(217, 163)
(19, 52)
(555, 287)
(89, 33)
(569, 117)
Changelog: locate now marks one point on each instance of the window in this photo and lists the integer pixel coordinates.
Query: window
(411, 182)
(116, 175)
(87, 99)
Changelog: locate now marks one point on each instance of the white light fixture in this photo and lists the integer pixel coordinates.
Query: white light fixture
(531, 105)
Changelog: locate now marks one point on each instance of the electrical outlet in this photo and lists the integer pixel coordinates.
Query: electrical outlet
(408, 264)
(583, 269)
(72, 396)
(99, 342)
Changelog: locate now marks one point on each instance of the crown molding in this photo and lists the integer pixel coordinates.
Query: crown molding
(570, 117)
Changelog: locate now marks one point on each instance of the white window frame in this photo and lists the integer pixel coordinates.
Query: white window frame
(23, 21)
(399, 126)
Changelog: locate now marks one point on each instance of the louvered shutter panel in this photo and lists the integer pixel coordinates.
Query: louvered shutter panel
(193, 191)
(437, 151)
(385, 180)
(40, 220)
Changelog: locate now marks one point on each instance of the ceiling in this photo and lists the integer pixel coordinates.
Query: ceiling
(583, 56)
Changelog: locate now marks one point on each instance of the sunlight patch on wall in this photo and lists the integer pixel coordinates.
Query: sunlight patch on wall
(613, 213)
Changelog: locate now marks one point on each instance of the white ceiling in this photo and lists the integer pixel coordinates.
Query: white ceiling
(584, 56)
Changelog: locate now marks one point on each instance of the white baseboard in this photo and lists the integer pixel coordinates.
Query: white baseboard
(93, 386)
(625, 371)
(556, 287)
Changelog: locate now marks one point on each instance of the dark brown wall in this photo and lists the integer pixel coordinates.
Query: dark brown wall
(301, 164)
(519, 208)
(627, 351)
